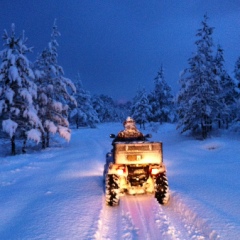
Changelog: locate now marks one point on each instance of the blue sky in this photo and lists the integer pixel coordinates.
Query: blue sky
(118, 46)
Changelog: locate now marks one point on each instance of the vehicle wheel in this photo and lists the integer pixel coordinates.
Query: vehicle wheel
(162, 189)
(106, 165)
(112, 190)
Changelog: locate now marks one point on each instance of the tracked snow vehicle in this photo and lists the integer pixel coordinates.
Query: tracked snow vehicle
(135, 167)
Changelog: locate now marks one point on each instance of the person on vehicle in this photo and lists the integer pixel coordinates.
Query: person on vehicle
(130, 131)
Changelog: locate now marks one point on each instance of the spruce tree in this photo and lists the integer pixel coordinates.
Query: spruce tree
(84, 114)
(237, 71)
(99, 107)
(198, 105)
(105, 108)
(54, 90)
(227, 93)
(141, 110)
(161, 100)
(237, 89)
(18, 91)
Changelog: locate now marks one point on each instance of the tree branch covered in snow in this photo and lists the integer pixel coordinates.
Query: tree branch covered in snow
(9, 127)
(55, 92)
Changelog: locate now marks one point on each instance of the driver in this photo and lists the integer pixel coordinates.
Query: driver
(130, 131)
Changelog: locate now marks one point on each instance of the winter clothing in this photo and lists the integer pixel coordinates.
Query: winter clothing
(130, 131)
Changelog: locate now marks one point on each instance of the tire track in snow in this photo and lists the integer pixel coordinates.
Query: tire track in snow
(190, 224)
(141, 217)
(149, 218)
(139, 209)
(108, 223)
(134, 218)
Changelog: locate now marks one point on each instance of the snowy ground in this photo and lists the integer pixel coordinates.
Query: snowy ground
(58, 193)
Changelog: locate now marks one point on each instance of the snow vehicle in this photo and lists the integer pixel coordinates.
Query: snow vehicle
(135, 167)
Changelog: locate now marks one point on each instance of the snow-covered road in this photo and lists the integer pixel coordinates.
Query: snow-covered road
(58, 193)
(141, 217)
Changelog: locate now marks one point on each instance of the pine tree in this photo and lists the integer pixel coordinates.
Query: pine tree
(227, 93)
(99, 107)
(84, 114)
(198, 105)
(237, 89)
(105, 108)
(161, 100)
(123, 110)
(141, 110)
(54, 90)
(18, 91)
(237, 71)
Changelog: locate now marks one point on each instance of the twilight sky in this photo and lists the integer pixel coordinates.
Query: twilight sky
(119, 45)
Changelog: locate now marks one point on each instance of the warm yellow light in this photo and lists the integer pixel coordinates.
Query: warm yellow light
(154, 171)
(120, 171)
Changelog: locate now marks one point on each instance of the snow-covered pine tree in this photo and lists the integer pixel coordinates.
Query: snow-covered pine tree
(237, 89)
(141, 110)
(227, 94)
(161, 100)
(123, 110)
(55, 92)
(105, 108)
(84, 114)
(136, 99)
(237, 71)
(99, 107)
(198, 105)
(18, 91)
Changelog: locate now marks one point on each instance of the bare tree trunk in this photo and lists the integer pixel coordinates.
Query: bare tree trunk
(77, 123)
(219, 122)
(43, 141)
(24, 145)
(203, 128)
(204, 132)
(161, 120)
(48, 139)
(13, 145)
(227, 123)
